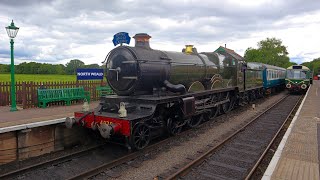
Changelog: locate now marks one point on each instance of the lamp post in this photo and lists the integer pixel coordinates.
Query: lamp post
(12, 31)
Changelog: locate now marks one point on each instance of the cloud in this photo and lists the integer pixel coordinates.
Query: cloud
(59, 30)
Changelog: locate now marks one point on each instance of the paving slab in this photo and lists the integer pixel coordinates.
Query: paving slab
(32, 115)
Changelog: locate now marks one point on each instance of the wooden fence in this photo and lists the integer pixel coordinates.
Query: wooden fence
(26, 92)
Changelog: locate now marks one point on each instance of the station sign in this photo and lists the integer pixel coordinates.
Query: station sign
(120, 38)
(90, 74)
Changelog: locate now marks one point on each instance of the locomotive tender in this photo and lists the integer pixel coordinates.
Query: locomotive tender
(159, 92)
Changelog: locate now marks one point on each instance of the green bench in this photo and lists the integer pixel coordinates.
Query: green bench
(104, 90)
(66, 94)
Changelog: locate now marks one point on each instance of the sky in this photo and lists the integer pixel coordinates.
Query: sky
(57, 31)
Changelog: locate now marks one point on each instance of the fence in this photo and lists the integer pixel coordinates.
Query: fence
(26, 92)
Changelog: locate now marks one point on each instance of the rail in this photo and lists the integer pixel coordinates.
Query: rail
(11, 174)
(185, 169)
(273, 140)
(103, 167)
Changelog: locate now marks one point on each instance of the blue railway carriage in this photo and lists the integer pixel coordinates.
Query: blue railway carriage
(273, 77)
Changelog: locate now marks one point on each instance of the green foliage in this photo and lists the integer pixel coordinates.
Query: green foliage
(92, 66)
(38, 68)
(73, 65)
(4, 68)
(314, 65)
(291, 64)
(44, 68)
(270, 51)
(59, 68)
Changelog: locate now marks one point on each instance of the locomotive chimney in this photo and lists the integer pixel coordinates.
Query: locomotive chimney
(142, 40)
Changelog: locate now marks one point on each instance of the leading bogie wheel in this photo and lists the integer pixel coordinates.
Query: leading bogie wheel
(141, 136)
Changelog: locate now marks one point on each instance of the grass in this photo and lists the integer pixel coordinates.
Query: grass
(38, 77)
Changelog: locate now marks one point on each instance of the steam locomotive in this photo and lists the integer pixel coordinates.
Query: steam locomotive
(160, 92)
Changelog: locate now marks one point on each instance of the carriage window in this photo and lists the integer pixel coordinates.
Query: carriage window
(296, 74)
(269, 75)
(273, 74)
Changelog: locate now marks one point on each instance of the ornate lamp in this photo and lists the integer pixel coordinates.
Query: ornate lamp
(12, 31)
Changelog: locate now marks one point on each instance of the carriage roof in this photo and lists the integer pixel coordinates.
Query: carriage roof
(267, 66)
(299, 67)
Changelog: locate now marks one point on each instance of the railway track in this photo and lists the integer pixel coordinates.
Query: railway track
(107, 168)
(48, 164)
(52, 167)
(125, 159)
(238, 155)
(60, 159)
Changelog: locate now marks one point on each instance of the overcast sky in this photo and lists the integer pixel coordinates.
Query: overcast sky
(60, 30)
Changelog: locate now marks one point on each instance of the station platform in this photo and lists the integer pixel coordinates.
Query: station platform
(297, 156)
(36, 115)
(33, 132)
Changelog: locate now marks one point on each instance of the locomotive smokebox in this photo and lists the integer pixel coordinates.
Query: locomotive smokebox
(142, 40)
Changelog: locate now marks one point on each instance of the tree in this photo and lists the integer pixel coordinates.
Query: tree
(292, 63)
(60, 69)
(4, 68)
(92, 66)
(73, 65)
(270, 51)
(28, 68)
(314, 65)
(45, 68)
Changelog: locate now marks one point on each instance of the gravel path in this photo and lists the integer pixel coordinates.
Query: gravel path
(197, 140)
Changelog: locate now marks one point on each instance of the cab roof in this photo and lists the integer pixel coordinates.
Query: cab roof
(298, 67)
